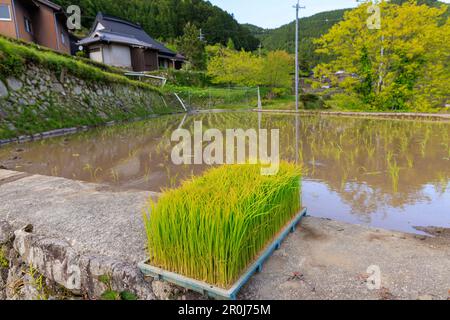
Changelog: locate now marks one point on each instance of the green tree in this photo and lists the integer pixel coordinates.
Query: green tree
(276, 70)
(193, 47)
(235, 67)
(402, 66)
(230, 44)
(245, 68)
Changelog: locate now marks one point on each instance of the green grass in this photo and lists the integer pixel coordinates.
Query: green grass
(4, 263)
(283, 103)
(14, 56)
(233, 98)
(215, 97)
(214, 226)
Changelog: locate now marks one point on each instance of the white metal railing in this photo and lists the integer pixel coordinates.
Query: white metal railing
(145, 75)
(181, 102)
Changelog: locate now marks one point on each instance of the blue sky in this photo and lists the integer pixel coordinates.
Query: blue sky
(274, 13)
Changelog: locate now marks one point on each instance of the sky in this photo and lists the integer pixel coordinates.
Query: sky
(275, 13)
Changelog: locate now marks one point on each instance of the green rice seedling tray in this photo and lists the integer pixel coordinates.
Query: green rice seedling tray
(216, 292)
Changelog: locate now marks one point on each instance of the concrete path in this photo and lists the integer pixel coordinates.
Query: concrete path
(91, 217)
(322, 260)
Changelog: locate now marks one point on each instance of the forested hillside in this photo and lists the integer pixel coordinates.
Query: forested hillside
(312, 27)
(166, 19)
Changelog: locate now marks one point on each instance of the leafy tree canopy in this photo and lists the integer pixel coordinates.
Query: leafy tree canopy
(405, 65)
(227, 66)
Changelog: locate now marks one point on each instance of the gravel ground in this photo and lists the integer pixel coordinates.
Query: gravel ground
(326, 259)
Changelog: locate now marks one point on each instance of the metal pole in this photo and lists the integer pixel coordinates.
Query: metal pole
(297, 8)
(259, 100)
(296, 56)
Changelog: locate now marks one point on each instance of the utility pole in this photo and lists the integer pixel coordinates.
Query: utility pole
(297, 8)
(201, 36)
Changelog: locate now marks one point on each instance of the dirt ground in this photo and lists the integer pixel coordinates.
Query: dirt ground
(326, 259)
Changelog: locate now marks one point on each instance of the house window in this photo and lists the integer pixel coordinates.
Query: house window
(63, 38)
(5, 12)
(28, 26)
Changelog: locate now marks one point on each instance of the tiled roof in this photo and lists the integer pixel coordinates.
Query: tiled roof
(123, 31)
(102, 35)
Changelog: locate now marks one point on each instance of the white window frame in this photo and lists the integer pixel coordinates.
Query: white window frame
(10, 13)
(28, 25)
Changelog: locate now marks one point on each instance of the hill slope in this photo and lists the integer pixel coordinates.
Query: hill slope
(312, 27)
(165, 19)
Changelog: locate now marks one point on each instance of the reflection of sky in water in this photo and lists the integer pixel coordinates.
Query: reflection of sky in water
(432, 209)
(388, 174)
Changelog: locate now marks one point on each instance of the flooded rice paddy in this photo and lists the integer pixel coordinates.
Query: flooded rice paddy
(382, 173)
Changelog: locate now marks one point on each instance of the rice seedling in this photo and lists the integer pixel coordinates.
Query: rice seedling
(410, 161)
(54, 171)
(114, 175)
(214, 226)
(370, 151)
(394, 172)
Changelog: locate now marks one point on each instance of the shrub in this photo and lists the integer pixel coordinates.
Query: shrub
(278, 93)
(341, 101)
(213, 227)
(189, 78)
(184, 78)
(10, 65)
(311, 101)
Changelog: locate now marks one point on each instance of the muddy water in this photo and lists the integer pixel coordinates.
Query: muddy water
(382, 173)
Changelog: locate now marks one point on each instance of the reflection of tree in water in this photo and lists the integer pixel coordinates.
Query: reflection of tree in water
(373, 163)
(366, 200)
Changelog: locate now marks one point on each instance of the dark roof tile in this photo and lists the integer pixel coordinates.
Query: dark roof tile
(123, 27)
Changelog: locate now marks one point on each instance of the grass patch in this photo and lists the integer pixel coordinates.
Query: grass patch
(213, 227)
(4, 263)
(32, 120)
(216, 98)
(283, 103)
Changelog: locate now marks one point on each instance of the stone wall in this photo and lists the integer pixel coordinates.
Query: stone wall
(40, 267)
(41, 100)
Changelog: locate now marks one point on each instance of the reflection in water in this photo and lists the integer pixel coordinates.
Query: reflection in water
(392, 174)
